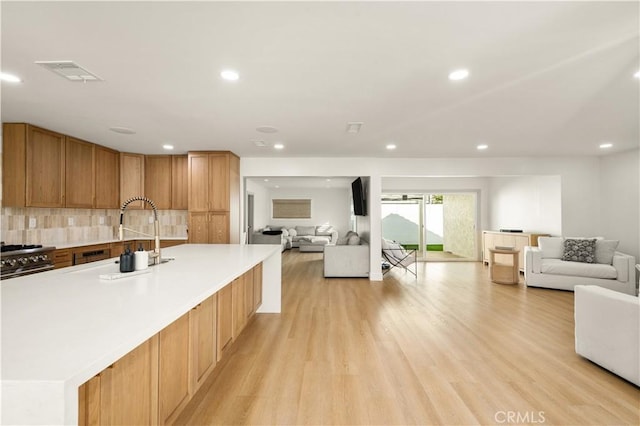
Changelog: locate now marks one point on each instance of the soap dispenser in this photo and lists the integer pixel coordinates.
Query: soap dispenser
(141, 259)
(127, 261)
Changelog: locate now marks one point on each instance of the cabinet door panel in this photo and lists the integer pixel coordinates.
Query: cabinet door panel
(219, 228)
(157, 180)
(224, 335)
(128, 389)
(198, 228)
(203, 321)
(45, 168)
(249, 305)
(131, 178)
(238, 300)
(219, 182)
(107, 178)
(198, 178)
(79, 173)
(179, 182)
(257, 286)
(89, 403)
(14, 145)
(173, 378)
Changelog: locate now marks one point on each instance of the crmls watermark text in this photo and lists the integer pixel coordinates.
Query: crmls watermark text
(519, 417)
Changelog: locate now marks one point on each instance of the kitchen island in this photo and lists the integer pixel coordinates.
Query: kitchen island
(60, 328)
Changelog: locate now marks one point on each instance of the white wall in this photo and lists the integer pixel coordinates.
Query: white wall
(328, 206)
(530, 203)
(579, 176)
(261, 204)
(619, 196)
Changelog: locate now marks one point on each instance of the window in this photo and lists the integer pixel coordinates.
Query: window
(291, 208)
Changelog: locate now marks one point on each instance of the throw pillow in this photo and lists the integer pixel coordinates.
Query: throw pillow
(324, 230)
(605, 249)
(292, 232)
(353, 240)
(285, 233)
(582, 250)
(306, 230)
(551, 247)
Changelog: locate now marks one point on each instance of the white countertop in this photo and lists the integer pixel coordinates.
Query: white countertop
(60, 328)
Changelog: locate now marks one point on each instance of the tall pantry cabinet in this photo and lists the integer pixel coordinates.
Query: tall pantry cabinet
(214, 197)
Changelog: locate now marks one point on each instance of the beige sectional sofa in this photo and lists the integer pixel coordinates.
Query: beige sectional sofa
(544, 266)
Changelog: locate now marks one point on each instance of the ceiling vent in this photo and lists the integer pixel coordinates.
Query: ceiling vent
(69, 70)
(354, 126)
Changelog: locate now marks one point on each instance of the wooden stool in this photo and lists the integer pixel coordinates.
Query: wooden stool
(504, 273)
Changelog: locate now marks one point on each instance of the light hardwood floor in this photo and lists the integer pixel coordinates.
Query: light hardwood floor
(449, 348)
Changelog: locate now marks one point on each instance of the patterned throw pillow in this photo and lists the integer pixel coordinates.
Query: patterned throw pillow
(580, 250)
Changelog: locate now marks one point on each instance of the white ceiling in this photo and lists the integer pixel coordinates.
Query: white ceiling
(547, 78)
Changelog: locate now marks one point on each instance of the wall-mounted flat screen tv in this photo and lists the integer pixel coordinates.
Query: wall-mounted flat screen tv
(359, 198)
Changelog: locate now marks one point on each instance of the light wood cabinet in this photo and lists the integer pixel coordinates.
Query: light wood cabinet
(124, 393)
(249, 304)
(214, 187)
(257, 286)
(79, 173)
(224, 321)
(107, 178)
(238, 301)
(208, 228)
(517, 240)
(157, 180)
(45, 170)
(179, 182)
(14, 163)
(173, 377)
(203, 341)
(131, 178)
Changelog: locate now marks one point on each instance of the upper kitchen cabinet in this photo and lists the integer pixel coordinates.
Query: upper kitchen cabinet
(157, 180)
(107, 178)
(14, 162)
(131, 178)
(79, 173)
(214, 186)
(179, 182)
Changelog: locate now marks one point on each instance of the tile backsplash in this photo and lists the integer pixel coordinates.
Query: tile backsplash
(67, 226)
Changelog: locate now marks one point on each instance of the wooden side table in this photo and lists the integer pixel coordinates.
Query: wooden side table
(502, 272)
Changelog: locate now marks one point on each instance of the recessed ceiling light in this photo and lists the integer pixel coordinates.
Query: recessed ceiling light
(277, 186)
(328, 180)
(391, 146)
(266, 129)
(278, 146)
(266, 180)
(122, 130)
(637, 74)
(167, 146)
(460, 74)
(10, 78)
(230, 75)
(606, 145)
(482, 147)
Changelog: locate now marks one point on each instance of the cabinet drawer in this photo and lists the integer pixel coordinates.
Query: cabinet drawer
(62, 258)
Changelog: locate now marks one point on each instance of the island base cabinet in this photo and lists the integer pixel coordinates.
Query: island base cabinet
(124, 393)
(173, 382)
(203, 341)
(224, 334)
(257, 286)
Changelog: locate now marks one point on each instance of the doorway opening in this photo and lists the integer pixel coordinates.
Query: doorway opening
(439, 226)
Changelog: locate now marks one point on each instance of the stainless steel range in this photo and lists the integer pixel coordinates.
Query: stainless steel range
(19, 260)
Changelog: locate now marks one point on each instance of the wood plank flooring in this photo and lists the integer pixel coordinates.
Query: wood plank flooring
(448, 348)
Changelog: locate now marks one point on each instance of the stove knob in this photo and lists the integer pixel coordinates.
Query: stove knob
(2, 263)
(23, 260)
(43, 257)
(34, 259)
(11, 262)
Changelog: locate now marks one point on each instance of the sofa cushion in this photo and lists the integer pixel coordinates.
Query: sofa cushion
(579, 250)
(551, 247)
(605, 249)
(306, 230)
(342, 241)
(324, 230)
(293, 232)
(275, 227)
(353, 240)
(285, 233)
(577, 269)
